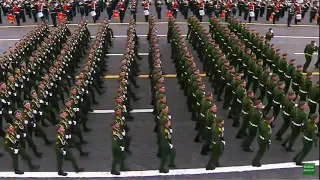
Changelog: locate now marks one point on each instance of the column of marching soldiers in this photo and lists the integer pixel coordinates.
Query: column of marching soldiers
(227, 51)
(41, 72)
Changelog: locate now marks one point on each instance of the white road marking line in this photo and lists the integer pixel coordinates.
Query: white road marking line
(9, 39)
(303, 53)
(296, 37)
(141, 54)
(112, 111)
(152, 173)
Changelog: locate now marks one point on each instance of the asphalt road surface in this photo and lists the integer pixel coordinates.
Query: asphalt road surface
(290, 40)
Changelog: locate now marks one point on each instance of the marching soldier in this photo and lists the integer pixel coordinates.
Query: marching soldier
(296, 126)
(305, 86)
(255, 119)
(271, 85)
(309, 138)
(53, 14)
(288, 113)
(278, 100)
(217, 144)
(20, 126)
(247, 106)
(308, 52)
(12, 146)
(288, 74)
(264, 139)
(269, 34)
(121, 10)
(291, 12)
(167, 149)
(118, 156)
(297, 79)
(202, 118)
(63, 152)
(237, 103)
(208, 128)
(314, 98)
(263, 80)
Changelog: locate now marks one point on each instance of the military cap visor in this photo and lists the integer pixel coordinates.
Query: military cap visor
(16, 112)
(219, 120)
(6, 126)
(26, 102)
(57, 127)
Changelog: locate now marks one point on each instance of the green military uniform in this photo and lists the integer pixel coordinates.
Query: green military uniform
(297, 79)
(217, 144)
(271, 85)
(167, 149)
(63, 152)
(288, 113)
(278, 100)
(209, 126)
(247, 106)
(309, 138)
(288, 74)
(201, 121)
(269, 35)
(237, 103)
(263, 140)
(255, 119)
(314, 98)
(305, 86)
(12, 147)
(308, 51)
(263, 81)
(118, 148)
(296, 126)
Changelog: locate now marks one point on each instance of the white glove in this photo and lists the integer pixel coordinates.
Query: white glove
(3, 101)
(40, 113)
(271, 31)
(170, 130)
(47, 103)
(224, 143)
(123, 118)
(64, 153)
(24, 135)
(47, 92)
(70, 122)
(9, 103)
(51, 84)
(34, 111)
(15, 151)
(15, 94)
(41, 101)
(121, 148)
(74, 122)
(123, 133)
(50, 94)
(78, 97)
(26, 122)
(169, 116)
(18, 136)
(10, 112)
(34, 125)
(269, 141)
(170, 146)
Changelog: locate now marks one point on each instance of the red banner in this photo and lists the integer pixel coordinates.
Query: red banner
(115, 14)
(10, 18)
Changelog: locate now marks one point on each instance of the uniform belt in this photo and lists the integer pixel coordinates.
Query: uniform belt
(244, 64)
(307, 54)
(254, 77)
(218, 70)
(208, 127)
(308, 139)
(261, 137)
(296, 84)
(239, 100)
(289, 77)
(285, 113)
(303, 91)
(254, 125)
(228, 84)
(249, 71)
(280, 70)
(233, 92)
(244, 112)
(239, 59)
(275, 102)
(314, 102)
(198, 104)
(222, 78)
(194, 95)
(261, 85)
(269, 60)
(296, 124)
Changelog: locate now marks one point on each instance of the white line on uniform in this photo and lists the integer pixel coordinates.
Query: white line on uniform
(141, 54)
(303, 53)
(152, 173)
(112, 111)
